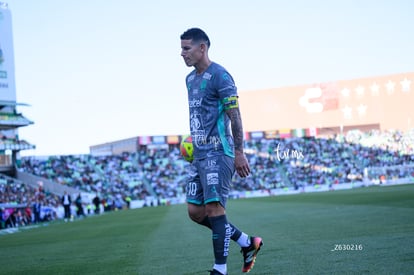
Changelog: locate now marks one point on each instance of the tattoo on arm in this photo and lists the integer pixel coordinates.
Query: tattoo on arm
(236, 128)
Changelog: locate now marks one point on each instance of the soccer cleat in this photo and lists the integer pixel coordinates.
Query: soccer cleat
(215, 272)
(250, 253)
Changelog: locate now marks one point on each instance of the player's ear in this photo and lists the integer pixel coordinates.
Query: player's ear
(203, 47)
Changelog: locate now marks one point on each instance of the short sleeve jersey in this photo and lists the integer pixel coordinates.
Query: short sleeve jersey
(209, 124)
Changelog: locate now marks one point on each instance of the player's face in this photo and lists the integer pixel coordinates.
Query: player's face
(191, 52)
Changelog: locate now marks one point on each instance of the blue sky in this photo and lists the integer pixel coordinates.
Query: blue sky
(99, 71)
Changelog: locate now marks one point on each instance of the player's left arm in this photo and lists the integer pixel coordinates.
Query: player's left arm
(231, 105)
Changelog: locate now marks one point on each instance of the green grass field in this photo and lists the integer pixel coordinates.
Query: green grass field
(300, 233)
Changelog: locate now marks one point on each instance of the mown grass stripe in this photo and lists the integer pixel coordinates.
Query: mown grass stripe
(299, 232)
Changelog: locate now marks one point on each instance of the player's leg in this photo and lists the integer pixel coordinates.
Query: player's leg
(216, 181)
(221, 235)
(195, 200)
(195, 196)
(197, 213)
(211, 215)
(215, 176)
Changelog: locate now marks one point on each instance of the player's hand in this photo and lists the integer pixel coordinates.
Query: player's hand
(241, 165)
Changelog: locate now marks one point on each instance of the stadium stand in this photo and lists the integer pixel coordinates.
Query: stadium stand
(158, 173)
(374, 157)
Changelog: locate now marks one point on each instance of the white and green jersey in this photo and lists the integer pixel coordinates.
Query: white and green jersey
(208, 93)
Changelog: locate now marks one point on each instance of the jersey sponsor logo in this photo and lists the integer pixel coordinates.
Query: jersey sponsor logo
(199, 138)
(191, 78)
(215, 140)
(212, 179)
(207, 76)
(211, 163)
(195, 103)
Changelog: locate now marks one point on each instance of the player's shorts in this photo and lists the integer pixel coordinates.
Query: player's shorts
(210, 180)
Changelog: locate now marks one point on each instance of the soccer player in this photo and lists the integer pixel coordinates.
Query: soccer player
(217, 134)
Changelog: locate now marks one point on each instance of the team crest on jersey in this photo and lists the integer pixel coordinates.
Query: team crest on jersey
(195, 122)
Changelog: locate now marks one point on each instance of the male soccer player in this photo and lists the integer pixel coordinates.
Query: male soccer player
(217, 134)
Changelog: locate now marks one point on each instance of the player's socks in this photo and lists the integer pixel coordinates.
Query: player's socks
(244, 240)
(221, 233)
(222, 268)
(236, 234)
(206, 222)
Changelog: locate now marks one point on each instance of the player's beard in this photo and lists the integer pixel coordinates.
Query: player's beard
(188, 62)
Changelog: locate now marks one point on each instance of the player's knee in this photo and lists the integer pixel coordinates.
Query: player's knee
(195, 218)
(214, 209)
(196, 213)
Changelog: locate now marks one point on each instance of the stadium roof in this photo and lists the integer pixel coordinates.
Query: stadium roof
(4, 103)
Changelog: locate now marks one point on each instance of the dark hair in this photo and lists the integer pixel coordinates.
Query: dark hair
(197, 35)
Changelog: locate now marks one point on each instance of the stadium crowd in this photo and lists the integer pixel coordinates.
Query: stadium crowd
(294, 162)
(357, 156)
(21, 205)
